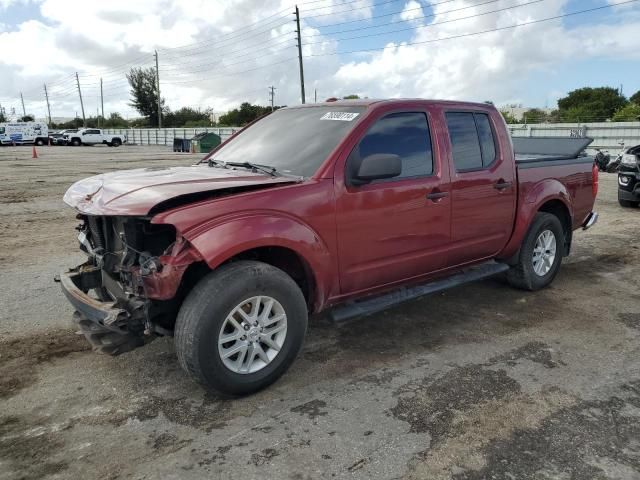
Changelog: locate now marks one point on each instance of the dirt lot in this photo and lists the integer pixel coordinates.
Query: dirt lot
(482, 382)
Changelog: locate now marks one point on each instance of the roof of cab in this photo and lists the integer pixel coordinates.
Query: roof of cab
(366, 102)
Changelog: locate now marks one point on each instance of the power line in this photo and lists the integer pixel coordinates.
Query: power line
(229, 36)
(436, 23)
(510, 27)
(219, 65)
(432, 4)
(372, 6)
(487, 2)
(232, 73)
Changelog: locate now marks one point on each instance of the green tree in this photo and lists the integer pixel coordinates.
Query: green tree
(535, 115)
(27, 118)
(2, 117)
(144, 93)
(635, 98)
(628, 113)
(351, 97)
(590, 104)
(245, 114)
(187, 117)
(510, 119)
(115, 120)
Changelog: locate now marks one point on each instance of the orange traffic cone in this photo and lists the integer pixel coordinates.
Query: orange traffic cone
(34, 154)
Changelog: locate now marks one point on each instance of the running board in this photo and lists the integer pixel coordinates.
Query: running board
(371, 305)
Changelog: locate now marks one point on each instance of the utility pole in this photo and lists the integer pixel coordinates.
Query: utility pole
(24, 112)
(315, 95)
(84, 120)
(300, 55)
(272, 95)
(158, 85)
(101, 101)
(46, 96)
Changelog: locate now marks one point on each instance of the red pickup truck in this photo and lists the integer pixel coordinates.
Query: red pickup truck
(352, 206)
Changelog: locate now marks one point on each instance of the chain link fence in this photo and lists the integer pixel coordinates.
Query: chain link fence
(606, 135)
(165, 136)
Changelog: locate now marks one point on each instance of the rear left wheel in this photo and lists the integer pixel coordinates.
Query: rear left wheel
(540, 254)
(241, 327)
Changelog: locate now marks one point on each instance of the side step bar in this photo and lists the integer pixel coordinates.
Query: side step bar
(375, 304)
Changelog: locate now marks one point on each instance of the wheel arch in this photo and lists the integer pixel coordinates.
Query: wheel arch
(556, 203)
(558, 208)
(278, 240)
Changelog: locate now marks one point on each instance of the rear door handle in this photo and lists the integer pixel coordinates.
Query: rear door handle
(435, 195)
(501, 185)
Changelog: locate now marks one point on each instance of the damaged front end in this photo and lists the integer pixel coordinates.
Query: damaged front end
(129, 287)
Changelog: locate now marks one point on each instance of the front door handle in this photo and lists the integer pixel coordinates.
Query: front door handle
(437, 195)
(502, 185)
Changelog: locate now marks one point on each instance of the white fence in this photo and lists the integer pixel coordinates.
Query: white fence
(165, 136)
(606, 135)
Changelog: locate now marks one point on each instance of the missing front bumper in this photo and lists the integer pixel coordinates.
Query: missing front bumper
(111, 327)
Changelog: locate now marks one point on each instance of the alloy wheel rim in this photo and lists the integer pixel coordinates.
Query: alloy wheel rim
(252, 335)
(544, 253)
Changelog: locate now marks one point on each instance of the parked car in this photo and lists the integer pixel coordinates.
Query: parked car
(94, 136)
(629, 178)
(359, 205)
(21, 133)
(57, 139)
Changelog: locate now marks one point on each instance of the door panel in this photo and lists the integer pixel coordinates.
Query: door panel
(483, 188)
(389, 231)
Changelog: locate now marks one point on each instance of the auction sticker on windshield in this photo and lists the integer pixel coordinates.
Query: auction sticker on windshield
(342, 116)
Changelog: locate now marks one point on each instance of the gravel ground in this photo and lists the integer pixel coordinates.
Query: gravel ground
(480, 382)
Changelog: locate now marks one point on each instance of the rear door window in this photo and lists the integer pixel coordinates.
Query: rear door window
(472, 140)
(487, 145)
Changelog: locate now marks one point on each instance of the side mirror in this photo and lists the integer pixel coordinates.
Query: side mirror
(378, 166)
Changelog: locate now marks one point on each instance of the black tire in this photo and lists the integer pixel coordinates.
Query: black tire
(76, 142)
(628, 203)
(39, 142)
(116, 142)
(522, 275)
(203, 314)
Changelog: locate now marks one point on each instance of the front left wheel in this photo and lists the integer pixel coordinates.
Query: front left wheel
(241, 327)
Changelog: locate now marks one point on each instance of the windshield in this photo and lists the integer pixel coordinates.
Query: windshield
(1, 130)
(295, 141)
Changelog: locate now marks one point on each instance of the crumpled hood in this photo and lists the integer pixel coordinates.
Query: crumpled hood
(136, 192)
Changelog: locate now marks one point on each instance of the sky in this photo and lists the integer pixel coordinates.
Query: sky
(215, 55)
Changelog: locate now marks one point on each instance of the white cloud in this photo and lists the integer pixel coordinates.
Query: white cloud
(491, 66)
(411, 11)
(233, 60)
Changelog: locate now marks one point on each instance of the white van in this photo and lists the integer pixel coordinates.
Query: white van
(24, 132)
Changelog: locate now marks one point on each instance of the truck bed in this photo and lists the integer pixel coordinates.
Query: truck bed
(532, 152)
(555, 159)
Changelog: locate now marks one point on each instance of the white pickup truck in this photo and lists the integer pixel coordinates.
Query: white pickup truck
(94, 136)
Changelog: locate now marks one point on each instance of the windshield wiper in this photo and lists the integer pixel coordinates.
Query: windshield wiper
(268, 169)
(253, 166)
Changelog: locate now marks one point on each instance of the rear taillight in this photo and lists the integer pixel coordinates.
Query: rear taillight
(594, 185)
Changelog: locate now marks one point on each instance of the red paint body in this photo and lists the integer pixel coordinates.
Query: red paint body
(361, 240)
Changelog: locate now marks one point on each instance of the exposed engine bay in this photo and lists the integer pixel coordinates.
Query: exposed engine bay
(133, 274)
